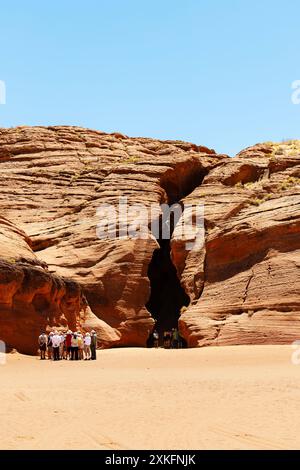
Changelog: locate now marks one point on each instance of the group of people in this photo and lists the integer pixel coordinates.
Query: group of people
(171, 339)
(74, 345)
(70, 345)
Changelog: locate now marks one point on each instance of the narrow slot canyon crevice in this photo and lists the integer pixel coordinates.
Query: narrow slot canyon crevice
(167, 296)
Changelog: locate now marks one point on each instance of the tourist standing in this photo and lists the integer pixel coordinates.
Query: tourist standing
(93, 345)
(55, 346)
(49, 345)
(62, 346)
(167, 339)
(80, 345)
(68, 344)
(155, 338)
(43, 345)
(74, 347)
(175, 338)
(87, 347)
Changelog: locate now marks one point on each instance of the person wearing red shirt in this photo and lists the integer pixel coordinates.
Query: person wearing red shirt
(68, 344)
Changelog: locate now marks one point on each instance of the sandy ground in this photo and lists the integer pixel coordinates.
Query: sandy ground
(242, 397)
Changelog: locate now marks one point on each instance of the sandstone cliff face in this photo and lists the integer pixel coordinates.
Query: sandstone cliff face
(241, 287)
(53, 180)
(31, 298)
(245, 283)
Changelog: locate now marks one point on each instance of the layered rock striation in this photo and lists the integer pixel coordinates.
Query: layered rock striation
(241, 286)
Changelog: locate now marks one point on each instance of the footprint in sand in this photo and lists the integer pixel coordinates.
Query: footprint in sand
(254, 442)
(21, 396)
(25, 438)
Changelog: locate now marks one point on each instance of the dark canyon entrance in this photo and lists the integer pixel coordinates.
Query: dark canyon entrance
(167, 296)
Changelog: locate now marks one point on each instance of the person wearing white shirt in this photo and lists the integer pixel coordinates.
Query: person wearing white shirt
(55, 345)
(87, 347)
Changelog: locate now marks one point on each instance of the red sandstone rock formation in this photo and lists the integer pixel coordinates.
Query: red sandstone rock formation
(244, 285)
(31, 298)
(241, 287)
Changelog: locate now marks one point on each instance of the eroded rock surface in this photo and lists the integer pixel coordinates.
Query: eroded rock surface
(52, 182)
(32, 299)
(243, 284)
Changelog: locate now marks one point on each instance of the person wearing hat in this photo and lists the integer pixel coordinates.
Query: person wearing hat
(55, 345)
(87, 347)
(93, 345)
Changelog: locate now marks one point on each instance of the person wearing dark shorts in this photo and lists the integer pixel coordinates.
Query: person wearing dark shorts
(55, 345)
(43, 345)
(74, 347)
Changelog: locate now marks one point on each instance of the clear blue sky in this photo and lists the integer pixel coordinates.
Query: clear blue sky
(216, 73)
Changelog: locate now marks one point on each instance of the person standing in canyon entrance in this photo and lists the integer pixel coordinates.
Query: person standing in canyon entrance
(93, 345)
(55, 346)
(61, 346)
(68, 344)
(49, 345)
(155, 338)
(87, 347)
(167, 339)
(74, 347)
(175, 338)
(43, 345)
(80, 345)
